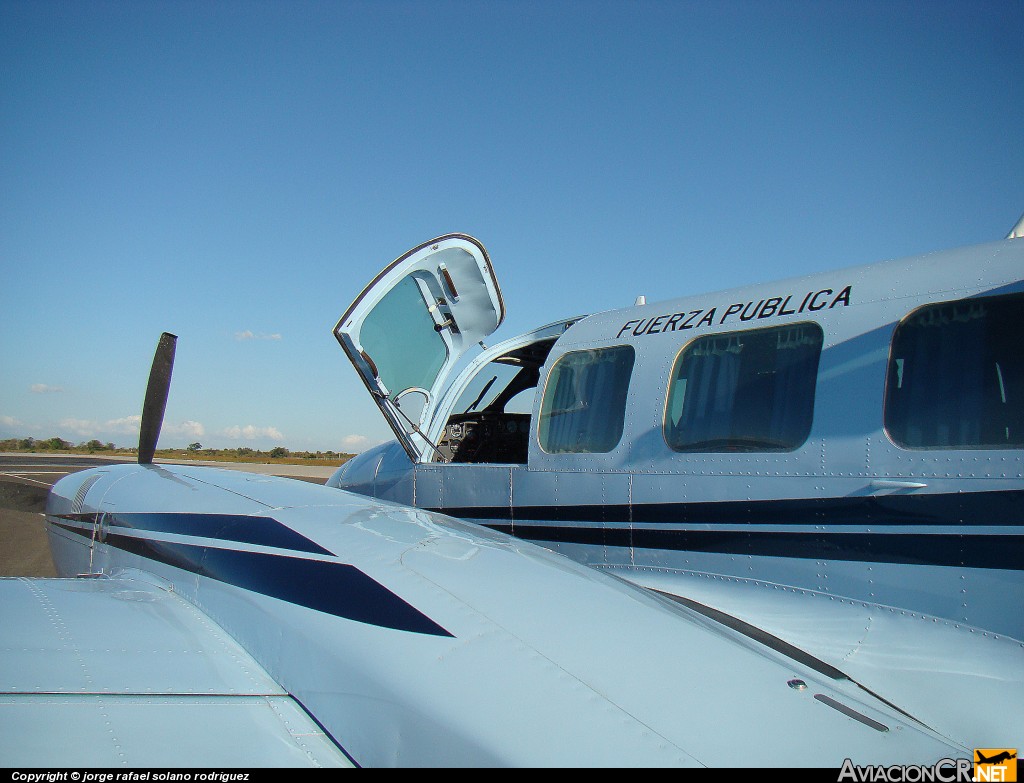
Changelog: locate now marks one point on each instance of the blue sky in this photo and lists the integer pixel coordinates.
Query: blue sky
(234, 172)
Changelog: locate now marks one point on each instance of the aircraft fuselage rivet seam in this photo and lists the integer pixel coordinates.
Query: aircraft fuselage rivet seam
(63, 633)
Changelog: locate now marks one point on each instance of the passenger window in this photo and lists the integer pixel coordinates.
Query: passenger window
(745, 391)
(584, 406)
(956, 376)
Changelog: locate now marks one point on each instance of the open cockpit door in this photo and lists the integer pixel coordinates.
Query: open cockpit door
(410, 326)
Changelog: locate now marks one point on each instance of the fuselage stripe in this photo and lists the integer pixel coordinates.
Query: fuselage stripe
(970, 551)
(995, 508)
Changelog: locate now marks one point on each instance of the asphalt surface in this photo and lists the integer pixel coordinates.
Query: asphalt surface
(25, 480)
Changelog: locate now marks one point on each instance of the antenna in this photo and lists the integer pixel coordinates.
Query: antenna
(156, 397)
(1017, 232)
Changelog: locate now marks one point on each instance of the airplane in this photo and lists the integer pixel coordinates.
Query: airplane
(835, 460)
(218, 619)
(998, 758)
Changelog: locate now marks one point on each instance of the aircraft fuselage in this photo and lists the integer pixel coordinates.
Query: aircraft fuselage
(857, 434)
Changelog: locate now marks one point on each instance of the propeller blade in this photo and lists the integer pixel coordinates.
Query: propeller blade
(156, 397)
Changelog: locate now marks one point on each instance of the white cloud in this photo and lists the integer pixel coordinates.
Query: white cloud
(10, 421)
(126, 425)
(80, 427)
(250, 335)
(42, 388)
(189, 429)
(355, 442)
(250, 432)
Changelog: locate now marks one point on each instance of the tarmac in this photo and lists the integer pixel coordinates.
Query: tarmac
(25, 481)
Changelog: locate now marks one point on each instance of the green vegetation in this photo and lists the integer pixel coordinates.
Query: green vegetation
(278, 454)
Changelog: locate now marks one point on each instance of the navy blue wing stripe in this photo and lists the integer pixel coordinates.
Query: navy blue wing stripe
(240, 528)
(334, 588)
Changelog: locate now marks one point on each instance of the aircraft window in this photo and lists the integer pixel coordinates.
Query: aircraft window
(413, 361)
(522, 403)
(956, 376)
(584, 404)
(491, 419)
(486, 387)
(745, 391)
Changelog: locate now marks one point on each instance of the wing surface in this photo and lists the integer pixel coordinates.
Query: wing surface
(964, 683)
(120, 671)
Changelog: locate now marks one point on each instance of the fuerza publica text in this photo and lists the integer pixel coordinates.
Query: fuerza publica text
(771, 307)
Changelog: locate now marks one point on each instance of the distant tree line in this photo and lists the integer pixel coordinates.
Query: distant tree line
(278, 452)
(195, 450)
(53, 444)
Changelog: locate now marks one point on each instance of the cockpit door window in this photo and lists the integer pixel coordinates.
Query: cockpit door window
(409, 328)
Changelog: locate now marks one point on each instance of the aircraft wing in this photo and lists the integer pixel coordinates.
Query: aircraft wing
(121, 671)
(959, 681)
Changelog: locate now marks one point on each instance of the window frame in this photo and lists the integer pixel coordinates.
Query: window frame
(551, 374)
(888, 403)
(725, 448)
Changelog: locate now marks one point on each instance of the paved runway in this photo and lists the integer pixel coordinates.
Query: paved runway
(25, 480)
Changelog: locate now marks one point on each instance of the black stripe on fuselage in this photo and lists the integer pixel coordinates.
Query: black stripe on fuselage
(960, 510)
(966, 551)
(338, 589)
(240, 528)
(996, 508)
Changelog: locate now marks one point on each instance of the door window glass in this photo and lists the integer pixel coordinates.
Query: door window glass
(415, 359)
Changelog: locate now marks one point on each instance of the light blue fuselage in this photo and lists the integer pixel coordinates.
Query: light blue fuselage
(849, 512)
